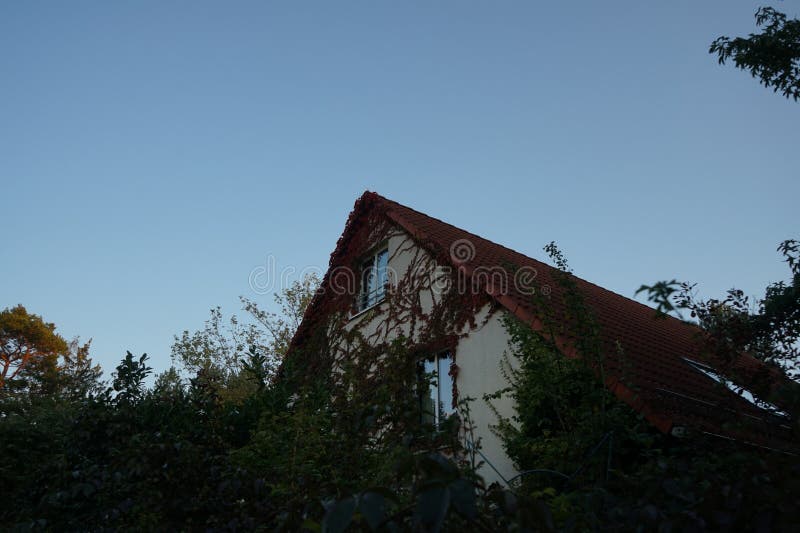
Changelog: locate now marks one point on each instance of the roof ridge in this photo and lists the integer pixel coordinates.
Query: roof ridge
(384, 199)
(580, 279)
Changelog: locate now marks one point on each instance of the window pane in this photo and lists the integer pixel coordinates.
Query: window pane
(445, 386)
(380, 274)
(370, 287)
(740, 391)
(373, 279)
(366, 282)
(380, 266)
(430, 396)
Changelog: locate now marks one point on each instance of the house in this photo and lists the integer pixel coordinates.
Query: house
(398, 272)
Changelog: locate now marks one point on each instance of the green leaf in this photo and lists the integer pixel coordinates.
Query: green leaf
(432, 506)
(339, 516)
(373, 507)
(463, 497)
(438, 466)
(310, 525)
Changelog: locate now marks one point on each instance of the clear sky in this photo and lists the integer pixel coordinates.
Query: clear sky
(152, 154)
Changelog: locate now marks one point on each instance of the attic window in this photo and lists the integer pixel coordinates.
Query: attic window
(733, 387)
(373, 280)
(436, 400)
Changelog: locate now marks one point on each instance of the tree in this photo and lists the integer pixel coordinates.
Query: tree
(293, 301)
(78, 376)
(27, 343)
(217, 346)
(128, 383)
(768, 328)
(773, 55)
(168, 382)
(230, 351)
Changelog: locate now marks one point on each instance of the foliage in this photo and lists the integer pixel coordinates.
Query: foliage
(345, 446)
(772, 56)
(222, 348)
(562, 409)
(128, 383)
(217, 350)
(599, 466)
(29, 348)
(173, 458)
(768, 328)
(78, 377)
(169, 382)
(341, 446)
(292, 301)
(125, 459)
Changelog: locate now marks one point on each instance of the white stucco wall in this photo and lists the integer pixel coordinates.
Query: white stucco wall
(478, 354)
(404, 256)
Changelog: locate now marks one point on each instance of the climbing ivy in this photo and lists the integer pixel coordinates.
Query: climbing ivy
(599, 465)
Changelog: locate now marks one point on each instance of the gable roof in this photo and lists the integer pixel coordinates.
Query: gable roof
(645, 357)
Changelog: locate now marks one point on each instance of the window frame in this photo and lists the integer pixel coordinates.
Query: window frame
(740, 391)
(444, 389)
(371, 265)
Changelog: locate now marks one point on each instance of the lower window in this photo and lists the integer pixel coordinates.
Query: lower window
(437, 401)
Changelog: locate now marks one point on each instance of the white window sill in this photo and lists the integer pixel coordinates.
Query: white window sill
(367, 309)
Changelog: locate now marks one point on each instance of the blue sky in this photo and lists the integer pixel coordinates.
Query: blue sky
(152, 154)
